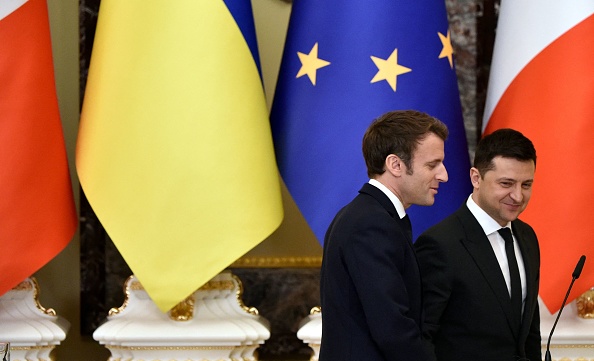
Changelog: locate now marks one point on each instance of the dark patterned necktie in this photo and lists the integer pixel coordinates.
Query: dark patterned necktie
(514, 272)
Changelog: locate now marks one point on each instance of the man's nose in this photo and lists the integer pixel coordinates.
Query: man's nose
(516, 193)
(442, 175)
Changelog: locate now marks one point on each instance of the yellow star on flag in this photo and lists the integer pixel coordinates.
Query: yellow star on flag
(310, 63)
(389, 69)
(447, 50)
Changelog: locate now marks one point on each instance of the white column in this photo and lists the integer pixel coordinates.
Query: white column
(211, 324)
(32, 331)
(310, 332)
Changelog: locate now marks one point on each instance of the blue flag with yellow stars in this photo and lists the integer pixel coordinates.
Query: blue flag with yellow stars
(345, 64)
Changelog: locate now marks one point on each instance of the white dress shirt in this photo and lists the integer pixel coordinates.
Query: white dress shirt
(490, 227)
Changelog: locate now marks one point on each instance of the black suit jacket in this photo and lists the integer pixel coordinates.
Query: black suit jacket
(467, 304)
(370, 285)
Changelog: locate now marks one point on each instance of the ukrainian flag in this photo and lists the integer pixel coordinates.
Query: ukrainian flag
(174, 150)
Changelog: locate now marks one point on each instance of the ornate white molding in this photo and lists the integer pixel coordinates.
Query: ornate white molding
(211, 324)
(310, 332)
(32, 330)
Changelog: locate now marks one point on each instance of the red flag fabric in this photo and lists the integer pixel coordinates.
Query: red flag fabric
(37, 212)
(542, 84)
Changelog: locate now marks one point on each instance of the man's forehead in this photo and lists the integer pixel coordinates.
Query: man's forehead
(500, 163)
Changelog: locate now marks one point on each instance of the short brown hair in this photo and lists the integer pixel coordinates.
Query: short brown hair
(398, 132)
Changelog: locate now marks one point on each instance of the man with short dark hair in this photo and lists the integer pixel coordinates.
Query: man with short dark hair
(481, 265)
(370, 281)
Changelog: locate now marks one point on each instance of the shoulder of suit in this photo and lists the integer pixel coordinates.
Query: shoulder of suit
(520, 226)
(448, 230)
(453, 228)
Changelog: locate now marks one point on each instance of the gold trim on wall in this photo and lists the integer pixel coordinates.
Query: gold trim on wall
(567, 346)
(277, 262)
(168, 348)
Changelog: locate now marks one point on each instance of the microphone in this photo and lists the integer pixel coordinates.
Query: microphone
(578, 268)
(574, 276)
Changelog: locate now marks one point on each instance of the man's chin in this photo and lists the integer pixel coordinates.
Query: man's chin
(428, 202)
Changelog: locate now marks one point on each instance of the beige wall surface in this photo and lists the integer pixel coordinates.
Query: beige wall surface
(59, 280)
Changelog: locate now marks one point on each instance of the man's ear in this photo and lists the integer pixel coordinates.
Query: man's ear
(475, 177)
(394, 165)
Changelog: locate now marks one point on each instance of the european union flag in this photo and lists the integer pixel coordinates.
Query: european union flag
(345, 64)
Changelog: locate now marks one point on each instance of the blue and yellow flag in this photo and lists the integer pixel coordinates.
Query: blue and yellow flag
(174, 150)
(343, 66)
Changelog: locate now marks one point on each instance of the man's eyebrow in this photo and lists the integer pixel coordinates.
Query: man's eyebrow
(514, 180)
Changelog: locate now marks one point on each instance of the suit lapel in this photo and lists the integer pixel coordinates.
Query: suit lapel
(383, 199)
(389, 207)
(478, 246)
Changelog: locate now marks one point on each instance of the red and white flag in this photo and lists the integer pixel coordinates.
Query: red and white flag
(542, 84)
(37, 212)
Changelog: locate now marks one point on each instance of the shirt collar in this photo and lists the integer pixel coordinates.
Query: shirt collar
(487, 222)
(397, 204)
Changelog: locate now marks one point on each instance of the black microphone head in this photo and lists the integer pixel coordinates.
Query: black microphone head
(578, 268)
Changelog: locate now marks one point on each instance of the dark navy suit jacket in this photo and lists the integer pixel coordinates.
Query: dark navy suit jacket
(370, 285)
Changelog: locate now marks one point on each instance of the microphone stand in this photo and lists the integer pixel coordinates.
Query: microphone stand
(548, 353)
(576, 275)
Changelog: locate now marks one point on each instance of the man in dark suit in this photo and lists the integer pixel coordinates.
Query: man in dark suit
(370, 281)
(480, 283)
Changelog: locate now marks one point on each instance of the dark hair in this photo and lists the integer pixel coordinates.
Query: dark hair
(506, 143)
(398, 132)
